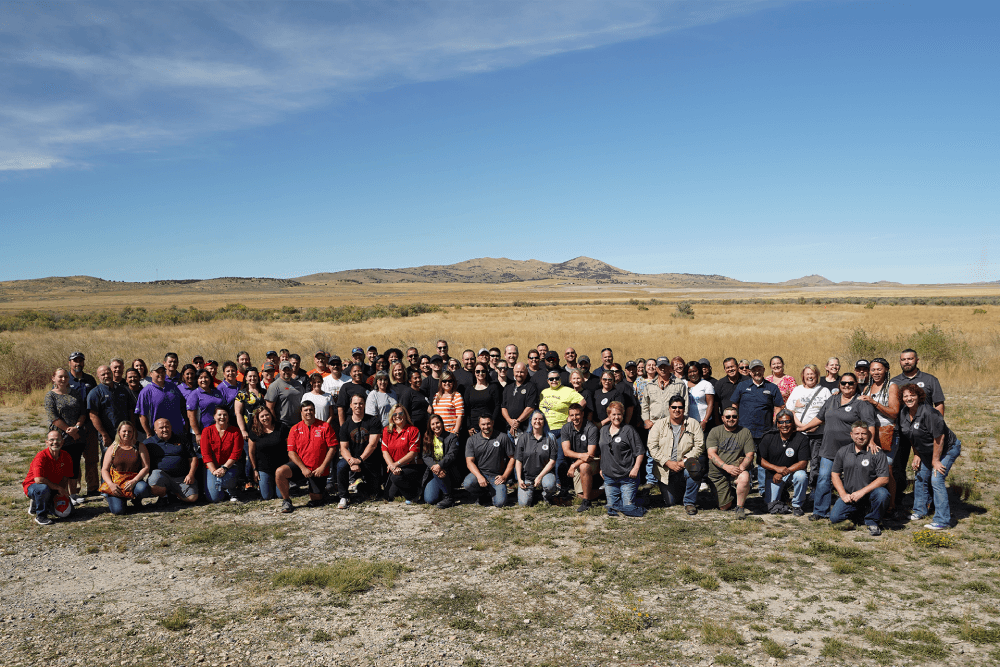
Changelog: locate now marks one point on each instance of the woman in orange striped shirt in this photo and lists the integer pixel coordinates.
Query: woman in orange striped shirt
(448, 403)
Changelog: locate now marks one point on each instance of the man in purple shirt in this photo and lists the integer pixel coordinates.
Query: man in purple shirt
(160, 399)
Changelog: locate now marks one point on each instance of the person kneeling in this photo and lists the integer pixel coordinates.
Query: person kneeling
(534, 460)
(48, 477)
(311, 447)
(671, 443)
(400, 446)
(440, 453)
(490, 457)
(621, 460)
(221, 449)
(175, 465)
(860, 477)
(125, 466)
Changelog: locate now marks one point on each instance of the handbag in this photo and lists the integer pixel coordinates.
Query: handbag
(118, 478)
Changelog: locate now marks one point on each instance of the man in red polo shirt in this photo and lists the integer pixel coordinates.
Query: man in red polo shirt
(47, 477)
(311, 447)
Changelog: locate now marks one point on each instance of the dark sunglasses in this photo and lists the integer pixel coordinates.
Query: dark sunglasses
(676, 407)
(744, 368)
(532, 358)
(784, 421)
(730, 416)
(848, 384)
(480, 372)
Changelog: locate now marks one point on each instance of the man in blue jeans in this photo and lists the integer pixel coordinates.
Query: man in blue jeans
(47, 478)
(860, 478)
(672, 441)
(490, 457)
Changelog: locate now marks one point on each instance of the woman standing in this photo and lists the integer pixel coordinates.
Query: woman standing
(482, 398)
(935, 449)
(440, 453)
(268, 451)
(621, 460)
(249, 400)
(449, 403)
(576, 382)
(221, 448)
(701, 405)
(201, 403)
(189, 380)
(140, 365)
(400, 447)
(534, 462)
(67, 414)
(397, 377)
(124, 469)
(677, 363)
(382, 400)
(884, 397)
(837, 414)
(320, 399)
(786, 383)
(805, 402)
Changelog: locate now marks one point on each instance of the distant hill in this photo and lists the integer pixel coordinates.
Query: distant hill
(503, 270)
(90, 284)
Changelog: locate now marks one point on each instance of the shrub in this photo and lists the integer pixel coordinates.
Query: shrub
(684, 310)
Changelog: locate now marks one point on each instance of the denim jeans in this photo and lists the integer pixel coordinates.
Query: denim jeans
(799, 481)
(371, 474)
(42, 495)
(118, 505)
(875, 504)
(824, 488)
(679, 489)
(221, 488)
(267, 485)
(498, 491)
(928, 477)
(526, 497)
(437, 489)
(650, 462)
(620, 492)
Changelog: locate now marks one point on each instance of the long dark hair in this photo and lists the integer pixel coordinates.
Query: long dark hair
(428, 440)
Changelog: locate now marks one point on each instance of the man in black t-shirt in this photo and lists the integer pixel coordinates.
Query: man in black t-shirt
(490, 457)
(725, 386)
(360, 461)
(784, 454)
(520, 398)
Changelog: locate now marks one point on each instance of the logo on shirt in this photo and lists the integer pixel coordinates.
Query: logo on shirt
(767, 391)
(583, 438)
(496, 443)
(864, 463)
(545, 448)
(604, 402)
(847, 409)
(524, 391)
(920, 384)
(618, 439)
(789, 452)
(916, 424)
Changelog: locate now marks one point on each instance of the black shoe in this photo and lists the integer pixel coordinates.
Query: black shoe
(797, 511)
(445, 503)
(316, 503)
(691, 510)
(162, 501)
(816, 517)
(584, 506)
(43, 520)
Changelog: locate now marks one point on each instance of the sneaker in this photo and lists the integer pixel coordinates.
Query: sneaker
(162, 501)
(874, 531)
(740, 512)
(937, 526)
(584, 506)
(43, 520)
(797, 511)
(76, 500)
(703, 487)
(691, 510)
(342, 505)
(445, 503)
(31, 506)
(612, 512)
(353, 486)
(315, 503)
(408, 502)
(234, 499)
(816, 517)
(916, 517)
(287, 507)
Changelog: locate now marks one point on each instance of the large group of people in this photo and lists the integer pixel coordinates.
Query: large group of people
(438, 429)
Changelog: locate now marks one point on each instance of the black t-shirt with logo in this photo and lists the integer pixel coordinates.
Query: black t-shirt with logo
(534, 454)
(490, 454)
(859, 469)
(784, 453)
(516, 399)
(602, 399)
(619, 451)
(837, 420)
(357, 434)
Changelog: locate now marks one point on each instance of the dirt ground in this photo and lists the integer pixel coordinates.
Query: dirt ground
(390, 584)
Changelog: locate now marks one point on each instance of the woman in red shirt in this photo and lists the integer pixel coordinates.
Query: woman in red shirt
(221, 448)
(400, 447)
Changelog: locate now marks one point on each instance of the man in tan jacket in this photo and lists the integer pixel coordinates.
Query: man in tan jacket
(672, 441)
(659, 392)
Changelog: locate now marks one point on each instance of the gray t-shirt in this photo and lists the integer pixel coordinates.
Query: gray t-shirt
(837, 420)
(925, 381)
(730, 447)
(859, 469)
(619, 451)
(678, 429)
(286, 397)
(490, 455)
(580, 440)
(534, 454)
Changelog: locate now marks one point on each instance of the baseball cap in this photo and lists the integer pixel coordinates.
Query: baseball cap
(284, 364)
(268, 366)
(357, 350)
(320, 352)
(694, 468)
(631, 364)
(704, 362)
(662, 361)
(862, 363)
(372, 347)
(76, 355)
(197, 357)
(271, 353)
(551, 354)
(583, 359)
(334, 358)
(436, 359)
(158, 366)
(755, 363)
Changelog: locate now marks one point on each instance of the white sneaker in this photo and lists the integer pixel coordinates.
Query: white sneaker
(703, 488)
(31, 506)
(342, 505)
(76, 500)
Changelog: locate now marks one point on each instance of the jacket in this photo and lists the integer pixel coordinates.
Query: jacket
(661, 443)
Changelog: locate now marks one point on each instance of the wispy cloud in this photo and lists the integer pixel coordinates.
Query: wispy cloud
(77, 80)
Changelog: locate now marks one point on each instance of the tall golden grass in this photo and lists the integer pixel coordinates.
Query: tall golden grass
(801, 334)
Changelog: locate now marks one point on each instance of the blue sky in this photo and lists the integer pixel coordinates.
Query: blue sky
(758, 140)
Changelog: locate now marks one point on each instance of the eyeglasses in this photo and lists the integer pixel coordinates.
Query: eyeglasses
(744, 368)
(442, 347)
(847, 384)
(555, 379)
(728, 417)
(398, 415)
(412, 356)
(676, 407)
(447, 382)
(532, 358)
(480, 372)
(494, 356)
(784, 421)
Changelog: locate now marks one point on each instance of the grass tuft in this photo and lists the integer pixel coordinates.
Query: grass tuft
(348, 576)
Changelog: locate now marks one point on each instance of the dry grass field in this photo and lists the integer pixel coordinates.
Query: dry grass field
(386, 584)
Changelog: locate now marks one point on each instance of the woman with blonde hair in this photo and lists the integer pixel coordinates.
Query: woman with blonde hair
(400, 449)
(805, 401)
(124, 469)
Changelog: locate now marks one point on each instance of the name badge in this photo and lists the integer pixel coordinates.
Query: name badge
(789, 452)
(920, 384)
(916, 424)
(767, 391)
(524, 391)
(847, 409)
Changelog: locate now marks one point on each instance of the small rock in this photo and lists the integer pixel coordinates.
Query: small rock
(528, 620)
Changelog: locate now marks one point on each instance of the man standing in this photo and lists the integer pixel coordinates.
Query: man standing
(81, 384)
(758, 400)
(320, 364)
(785, 455)
(570, 356)
(511, 355)
(161, 399)
(590, 381)
(284, 396)
(551, 365)
(725, 386)
(243, 363)
(107, 404)
(520, 398)
(672, 442)
(912, 374)
(429, 385)
(655, 401)
(442, 349)
(490, 458)
(333, 380)
(298, 373)
(860, 478)
(580, 442)
(356, 387)
(607, 358)
(117, 366)
(730, 455)
(464, 377)
(170, 363)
